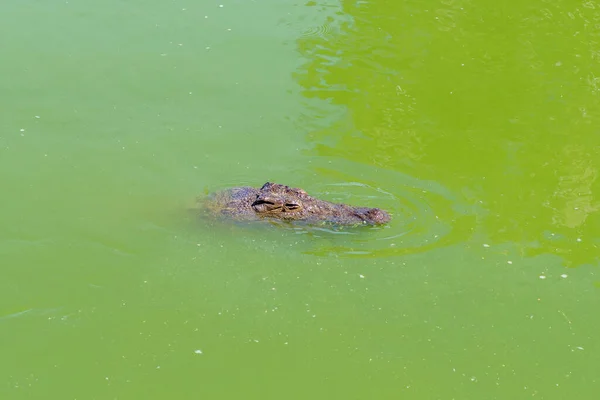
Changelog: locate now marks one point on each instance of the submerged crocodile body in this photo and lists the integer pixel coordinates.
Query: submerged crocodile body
(279, 202)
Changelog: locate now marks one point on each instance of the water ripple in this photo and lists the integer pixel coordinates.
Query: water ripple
(319, 30)
(425, 215)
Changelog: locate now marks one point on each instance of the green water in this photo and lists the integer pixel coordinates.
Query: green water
(474, 124)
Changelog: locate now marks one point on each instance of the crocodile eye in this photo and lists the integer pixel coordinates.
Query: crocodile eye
(257, 202)
(292, 206)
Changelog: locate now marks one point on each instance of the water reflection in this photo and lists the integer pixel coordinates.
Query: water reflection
(469, 101)
(573, 199)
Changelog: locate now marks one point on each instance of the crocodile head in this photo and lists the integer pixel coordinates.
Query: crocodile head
(280, 201)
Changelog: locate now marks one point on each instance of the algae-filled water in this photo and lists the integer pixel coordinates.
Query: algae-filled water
(474, 124)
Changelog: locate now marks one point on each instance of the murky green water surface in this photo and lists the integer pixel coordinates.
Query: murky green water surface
(475, 125)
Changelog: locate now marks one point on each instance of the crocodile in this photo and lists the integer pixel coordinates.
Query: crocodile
(274, 201)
